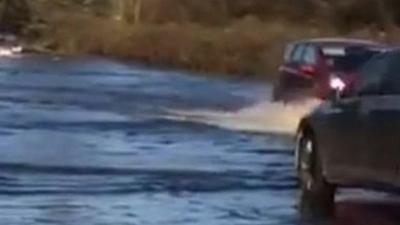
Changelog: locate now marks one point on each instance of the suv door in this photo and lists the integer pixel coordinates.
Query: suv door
(307, 63)
(288, 73)
(346, 127)
(340, 138)
(291, 69)
(320, 77)
(287, 68)
(381, 112)
(284, 72)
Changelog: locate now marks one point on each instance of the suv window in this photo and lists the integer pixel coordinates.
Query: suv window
(391, 79)
(350, 62)
(371, 76)
(297, 56)
(288, 52)
(310, 55)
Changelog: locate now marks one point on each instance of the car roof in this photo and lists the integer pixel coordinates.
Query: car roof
(340, 42)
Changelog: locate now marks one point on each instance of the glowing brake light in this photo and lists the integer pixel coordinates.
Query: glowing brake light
(308, 70)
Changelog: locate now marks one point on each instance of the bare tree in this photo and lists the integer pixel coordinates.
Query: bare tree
(14, 15)
(127, 10)
(137, 11)
(118, 8)
(384, 13)
(386, 19)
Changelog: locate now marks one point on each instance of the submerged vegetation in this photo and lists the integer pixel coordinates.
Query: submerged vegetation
(220, 36)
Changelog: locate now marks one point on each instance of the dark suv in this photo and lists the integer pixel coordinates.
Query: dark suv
(353, 139)
(310, 67)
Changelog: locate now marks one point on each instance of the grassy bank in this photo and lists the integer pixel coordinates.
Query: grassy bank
(213, 36)
(246, 47)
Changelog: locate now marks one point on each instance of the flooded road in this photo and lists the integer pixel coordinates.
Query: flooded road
(93, 141)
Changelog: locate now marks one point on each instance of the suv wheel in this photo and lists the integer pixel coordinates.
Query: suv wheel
(317, 196)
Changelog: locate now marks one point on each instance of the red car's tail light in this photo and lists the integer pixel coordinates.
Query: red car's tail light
(308, 70)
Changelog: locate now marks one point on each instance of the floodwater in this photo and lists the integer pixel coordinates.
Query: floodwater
(87, 140)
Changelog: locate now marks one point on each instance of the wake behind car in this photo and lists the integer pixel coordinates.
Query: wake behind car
(313, 67)
(352, 140)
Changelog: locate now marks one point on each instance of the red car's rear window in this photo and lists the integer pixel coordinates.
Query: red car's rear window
(349, 59)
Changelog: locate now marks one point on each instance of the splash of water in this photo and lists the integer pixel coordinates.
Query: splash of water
(264, 117)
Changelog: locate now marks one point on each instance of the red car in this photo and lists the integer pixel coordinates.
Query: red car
(312, 68)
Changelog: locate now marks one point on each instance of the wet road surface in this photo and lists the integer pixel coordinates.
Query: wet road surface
(92, 141)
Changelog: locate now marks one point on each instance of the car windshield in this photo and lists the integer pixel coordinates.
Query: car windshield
(348, 60)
